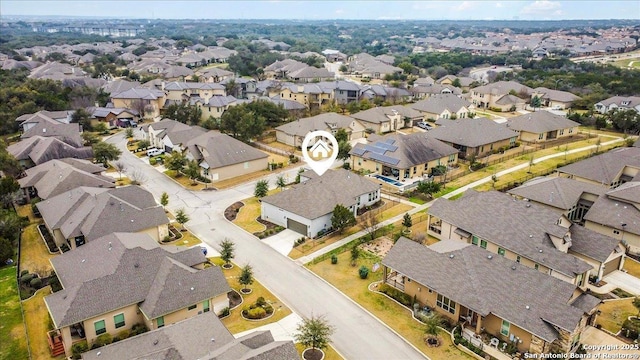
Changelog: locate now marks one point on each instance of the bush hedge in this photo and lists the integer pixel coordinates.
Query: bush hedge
(364, 272)
(631, 328)
(395, 294)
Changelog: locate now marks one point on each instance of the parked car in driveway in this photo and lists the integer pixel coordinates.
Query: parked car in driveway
(424, 125)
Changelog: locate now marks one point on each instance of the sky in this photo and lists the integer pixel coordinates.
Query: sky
(317, 10)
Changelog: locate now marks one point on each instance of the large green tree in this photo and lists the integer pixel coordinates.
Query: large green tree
(104, 152)
(175, 161)
(342, 218)
(241, 123)
(184, 113)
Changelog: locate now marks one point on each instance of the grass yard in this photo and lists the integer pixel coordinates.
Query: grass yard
(614, 313)
(284, 147)
(314, 245)
(632, 267)
(34, 254)
(234, 322)
(124, 181)
(394, 210)
(37, 320)
(345, 277)
(329, 352)
(25, 210)
(246, 217)
(13, 340)
(184, 181)
(187, 239)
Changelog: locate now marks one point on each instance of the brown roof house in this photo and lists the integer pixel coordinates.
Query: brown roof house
(84, 214)
(37, 150)
(531, 234)
(293, 133)
(384, 119)
(402, 157)
(541, 126)
(122, 280)
(475, 137)
(222, 157)
(57, 176)
(198, 337)
(490, 294)
(307, 208)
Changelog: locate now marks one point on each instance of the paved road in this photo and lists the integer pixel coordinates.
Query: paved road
(359, 335)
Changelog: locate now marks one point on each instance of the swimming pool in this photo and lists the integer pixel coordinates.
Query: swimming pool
(388, 180)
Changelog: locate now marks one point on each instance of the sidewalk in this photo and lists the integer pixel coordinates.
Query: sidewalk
(283, 330)
(305, 259)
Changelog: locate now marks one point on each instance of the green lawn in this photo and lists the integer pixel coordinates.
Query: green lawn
(632, 267)
(13, 339)
(614, 313)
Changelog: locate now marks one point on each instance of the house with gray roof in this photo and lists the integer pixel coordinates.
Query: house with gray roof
(474, 137)
(37, 150)
(199, 337)
(83, 214)
(29, 120)
(425, 91)
(214, 74)
(112, 117)
(534, 235)
(124, 279)
(555, 99)
(384, 119)
(402, 157)
(497, 95)
(574, 198)
(57, 176)
(221, 157)
(148, 101)
(307, 208)
(491, 294)
(445, 106)
(67, 133)
(293, 133)
(541, 126)
(610, 169)
(618, 103)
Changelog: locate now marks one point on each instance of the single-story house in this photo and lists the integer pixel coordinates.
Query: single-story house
(401, 156)
(387, 118)
(123, 279)
(171, 135)
(541, 126)
(293, 133)
(475, 137)
(307, 208)
(222, 157)
(68, 133)
(555, 99)
(536, 312)
(425, 91)
(28, 120)
(445, 106)
(84, 214)
(611, 169)
(618, 103)
(37, 150)
(112, 116)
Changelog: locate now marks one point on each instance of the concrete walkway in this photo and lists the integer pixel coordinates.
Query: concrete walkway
(599, 342)
(283, 330)
(417, 209)
(283, 241)
(622, 280)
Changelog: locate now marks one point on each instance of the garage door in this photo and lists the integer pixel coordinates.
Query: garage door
(612, 265)
(297, 227)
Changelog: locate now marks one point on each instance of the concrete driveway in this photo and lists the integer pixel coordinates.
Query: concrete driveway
(283, 241)
(599, 342)
(624, 281)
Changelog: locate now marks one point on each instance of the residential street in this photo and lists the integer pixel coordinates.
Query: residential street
(359, 335)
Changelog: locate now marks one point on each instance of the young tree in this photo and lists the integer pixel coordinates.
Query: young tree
(143, 144)
(494, 180)
(175, 161)
(300, 171)
(407, 222)
(137, 177)
(314, 332)
(104, 152)
(355, 254)
(246, 276)
(192, 171)
(262, 188)
(128, 133)
(343, 150)
(341, 135)
(342, 218)
(429, 187)
(370, 223)
(90, 138)
(181, 218)
(281, 182)
(164, 200)
(120, 167)
(227, 249)
(101, 128)
(432, 323)
(536, 102)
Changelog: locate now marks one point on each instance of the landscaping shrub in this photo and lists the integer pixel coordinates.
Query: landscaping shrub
(631, 328)
(395, 294)
(137, 329)
(261, 302)
(621, 293)
(346, 166)
(334, 259)
(78, 348)
(255, 313)
(225, 312)
(36, 283)
(152, 162)
(23, 273)
(364, 272)
(122, 335)
(102, 340)
(25, 279)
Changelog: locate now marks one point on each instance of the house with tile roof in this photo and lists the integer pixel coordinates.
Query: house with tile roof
(121, 280)
(402, 157)
(83, 214)
(445, 106)
(385, 119)
(191, 339)
(306, 208)
(541, 126)
(221, 157)
(57, 176)
(528, 233)
(294, 132)
(491, 294)
(37, 150)
(474, 137)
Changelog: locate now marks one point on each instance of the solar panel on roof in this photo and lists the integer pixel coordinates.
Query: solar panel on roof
(359, 151)
(385, 146)
(374, 149)
(389, 141)
(385, 159)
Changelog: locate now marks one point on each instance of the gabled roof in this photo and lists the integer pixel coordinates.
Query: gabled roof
(180, 86)
(139, 93)
(39, 149)
(490, 284)
(95, 212)
(515, 225)
(403, 151)
(604, 168)
(318, 196)
(501, 87)
(130, 277)
(556, 95)
(613, 212)
(436, 104)
(631, 101)
(559, 192)
(119, 85)
(509, 99)
(382, 114)
(57, 176)
(593, 244)
(540, 122)
(69, 133)
(472, 132)
(301, 127)
(221, 150)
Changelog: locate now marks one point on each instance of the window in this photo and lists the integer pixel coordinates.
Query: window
(192, 307)
(118, 320)
(205, 306)
(452, 158)
(504, 329)
(561, 131)
(415, 170)
(540, 136)
(512, 141)
(518, 259)
(474, 240)
(483, 244)
(501, 251)
(579, 281)
(536, 266)
(160, 322)
(99, 327)
(446, 304)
